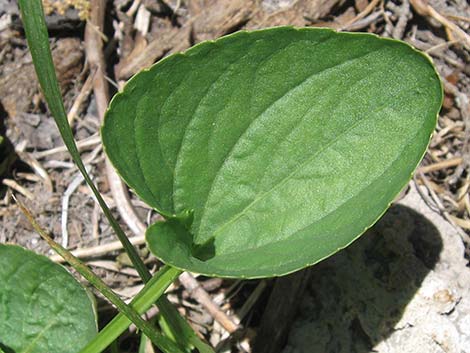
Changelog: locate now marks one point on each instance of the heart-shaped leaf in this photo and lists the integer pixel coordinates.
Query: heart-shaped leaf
(268, 151)
(42, 307)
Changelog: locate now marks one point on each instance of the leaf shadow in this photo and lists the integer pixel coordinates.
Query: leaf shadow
(204, 251)
(6, 349)
(355, 299)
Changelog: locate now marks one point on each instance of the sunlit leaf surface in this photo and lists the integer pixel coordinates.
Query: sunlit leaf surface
(274, 148)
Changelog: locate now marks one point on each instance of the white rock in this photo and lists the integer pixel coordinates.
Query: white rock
(402, 287)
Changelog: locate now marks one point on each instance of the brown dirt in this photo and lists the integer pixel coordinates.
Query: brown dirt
(171, 26)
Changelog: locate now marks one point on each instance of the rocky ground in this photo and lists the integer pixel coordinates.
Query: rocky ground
(429, 258)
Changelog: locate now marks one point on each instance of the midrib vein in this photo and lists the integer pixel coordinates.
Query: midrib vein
(340, 205)
(288, 177)
(41, 333)
(309, 77)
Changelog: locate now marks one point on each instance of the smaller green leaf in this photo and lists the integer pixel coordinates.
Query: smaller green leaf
(43, 308)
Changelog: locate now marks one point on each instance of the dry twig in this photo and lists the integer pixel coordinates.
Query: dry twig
(84, 93)
(100, 250)
(94, 50)
(77, 180)
(15, 186)
(465, 237)
(88, 142)
(38, 169)
(199, 294)
(424, 9)
(361, 15)
(449, 163)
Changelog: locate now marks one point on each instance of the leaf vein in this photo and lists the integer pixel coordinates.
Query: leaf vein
(328, 213)
(206, 92)
(328, 69)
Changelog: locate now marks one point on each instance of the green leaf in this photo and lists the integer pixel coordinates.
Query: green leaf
(42, 306)
(268, 151)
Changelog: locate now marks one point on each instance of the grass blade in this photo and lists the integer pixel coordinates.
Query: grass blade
(153, 290)
(38, 40)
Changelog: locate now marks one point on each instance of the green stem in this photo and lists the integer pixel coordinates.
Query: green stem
(141, 303)
(164, 343)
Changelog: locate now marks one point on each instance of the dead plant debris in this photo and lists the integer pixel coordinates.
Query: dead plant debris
(133, 35)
